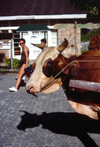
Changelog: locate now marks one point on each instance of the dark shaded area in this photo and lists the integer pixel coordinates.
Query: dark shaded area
(22, 83)
(37, 7)
(6, 35)
(91, 7)
(72, 124)
(2, 56)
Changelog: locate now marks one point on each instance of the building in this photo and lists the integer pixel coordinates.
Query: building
(15, 15)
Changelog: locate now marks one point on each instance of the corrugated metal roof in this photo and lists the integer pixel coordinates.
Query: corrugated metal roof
(37, 7)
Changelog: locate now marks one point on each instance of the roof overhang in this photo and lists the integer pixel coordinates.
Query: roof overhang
(9, 28)
(71, 25)
(34, 27)
(63, 16)
(59, 16)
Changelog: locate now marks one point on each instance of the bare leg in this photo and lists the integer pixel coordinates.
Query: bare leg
(20, 74)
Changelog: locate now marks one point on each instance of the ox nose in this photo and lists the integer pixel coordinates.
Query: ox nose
(29, 88)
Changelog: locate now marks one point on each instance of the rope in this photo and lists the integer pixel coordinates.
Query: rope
(88, 60)
(51, 81)
(89, 56)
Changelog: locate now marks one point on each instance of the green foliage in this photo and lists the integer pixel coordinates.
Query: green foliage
(15, 63)
(86, 37)
(7, 63)
(94, 43)
(91, 7)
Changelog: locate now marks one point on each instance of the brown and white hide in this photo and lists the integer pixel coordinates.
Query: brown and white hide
(51, 61)
(43, 70)
(82, 101)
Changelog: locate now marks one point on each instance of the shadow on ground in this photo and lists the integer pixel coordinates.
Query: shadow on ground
(72, 124)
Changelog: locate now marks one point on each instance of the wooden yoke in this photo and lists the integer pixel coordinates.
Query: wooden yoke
(86, 85)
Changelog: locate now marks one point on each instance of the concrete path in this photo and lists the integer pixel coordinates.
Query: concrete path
(48, 121)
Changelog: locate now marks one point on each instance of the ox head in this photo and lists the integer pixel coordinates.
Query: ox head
(43, 70)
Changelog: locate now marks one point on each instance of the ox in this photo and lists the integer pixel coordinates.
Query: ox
(51, 61)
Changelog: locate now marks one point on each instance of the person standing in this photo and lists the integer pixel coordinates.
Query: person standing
(23, 64)
(43, 41)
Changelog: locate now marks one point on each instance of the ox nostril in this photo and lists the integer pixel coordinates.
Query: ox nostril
(29, 89)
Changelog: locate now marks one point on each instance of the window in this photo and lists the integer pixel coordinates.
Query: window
(25, 33)
(17, 49)
(54, 38)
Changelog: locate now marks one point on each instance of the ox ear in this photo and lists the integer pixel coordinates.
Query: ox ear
(42, 46)
(63, 45)
(74, 68)
(66, 70)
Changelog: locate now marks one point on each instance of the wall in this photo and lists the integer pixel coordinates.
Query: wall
(73, 37)
(5, 46)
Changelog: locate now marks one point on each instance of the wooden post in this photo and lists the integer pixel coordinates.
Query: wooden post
(75, 27)
(11, 53)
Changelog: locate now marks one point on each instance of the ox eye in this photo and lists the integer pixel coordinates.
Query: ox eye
(50, 63)
(47, 67)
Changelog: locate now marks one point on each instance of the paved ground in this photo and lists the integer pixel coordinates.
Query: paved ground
(48, 121)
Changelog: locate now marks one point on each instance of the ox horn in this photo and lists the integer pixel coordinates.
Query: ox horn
(42, 46)
(63, 45)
